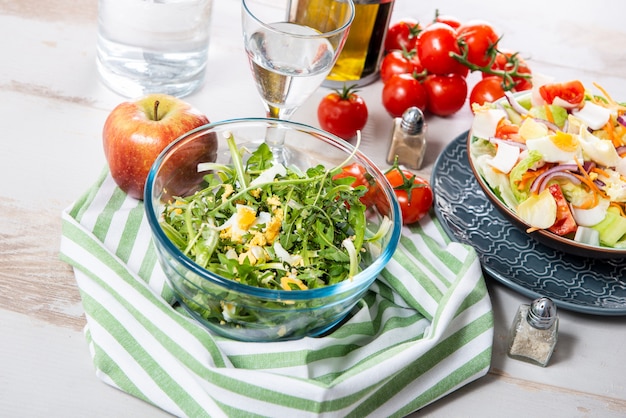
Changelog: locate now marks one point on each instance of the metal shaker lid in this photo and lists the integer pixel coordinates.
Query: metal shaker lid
(542, 313)
(412, 121)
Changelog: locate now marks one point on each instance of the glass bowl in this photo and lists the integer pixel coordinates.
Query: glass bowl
(252, 313)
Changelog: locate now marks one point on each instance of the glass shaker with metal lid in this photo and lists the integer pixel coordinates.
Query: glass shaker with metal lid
(533, 334)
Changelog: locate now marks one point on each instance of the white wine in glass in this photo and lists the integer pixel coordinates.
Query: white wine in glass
(291, 53)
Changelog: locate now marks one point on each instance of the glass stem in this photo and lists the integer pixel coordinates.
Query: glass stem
(274, 136)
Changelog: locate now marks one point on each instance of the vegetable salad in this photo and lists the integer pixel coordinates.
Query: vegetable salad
(557, 157)
(263, 224)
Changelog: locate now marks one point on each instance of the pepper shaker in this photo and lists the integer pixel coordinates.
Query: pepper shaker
(408, 140)
(533, 333)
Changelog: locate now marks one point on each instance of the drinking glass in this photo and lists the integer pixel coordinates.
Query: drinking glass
(149, 46)
(291, 50)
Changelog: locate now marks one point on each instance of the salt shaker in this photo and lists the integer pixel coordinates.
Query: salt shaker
(408, 140)
(534, 331)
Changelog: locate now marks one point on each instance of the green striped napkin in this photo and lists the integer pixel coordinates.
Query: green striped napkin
(424, 330)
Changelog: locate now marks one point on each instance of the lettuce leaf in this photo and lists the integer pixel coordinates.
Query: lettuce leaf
(516, 174)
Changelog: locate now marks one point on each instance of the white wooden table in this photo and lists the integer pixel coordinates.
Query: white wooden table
(52, 108)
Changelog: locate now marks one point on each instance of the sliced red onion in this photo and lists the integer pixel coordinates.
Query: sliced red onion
(496, 140)
(589, 165)
(622, 120)
(564, 175)
(621, 150)
(552, 126)
(515, 104)
(561, 170)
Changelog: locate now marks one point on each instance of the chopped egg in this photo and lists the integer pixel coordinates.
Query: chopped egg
(565, 141)
(228, 310)
(273, 201)
(593, 115)
(601, 151)
(620, 167)
(614, 186)
(272, 228)
(228, 190)
(593, 216)
(240, 222)
(505, 158)
(558, 148)
(530, 129)
(258, 239)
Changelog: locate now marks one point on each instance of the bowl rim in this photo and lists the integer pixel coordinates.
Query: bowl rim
(546, 237)
(272, 294)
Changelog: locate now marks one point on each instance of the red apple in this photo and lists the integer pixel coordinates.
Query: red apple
(135, 133)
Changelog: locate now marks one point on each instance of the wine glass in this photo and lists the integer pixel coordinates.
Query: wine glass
(291, 49)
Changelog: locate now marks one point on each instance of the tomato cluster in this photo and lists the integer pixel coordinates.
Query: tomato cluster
(427, 65)
(414, 193)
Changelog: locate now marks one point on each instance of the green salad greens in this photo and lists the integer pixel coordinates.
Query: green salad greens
(263, 224)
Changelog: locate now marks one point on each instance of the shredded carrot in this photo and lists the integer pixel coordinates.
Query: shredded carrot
(589, 203)
(620, 207)
(610, 131)
(600, 171)
(619, 134)
(585, 176)
(532, 229)
(530, 175)
(609, 98)
(549, 115)
(593, 188)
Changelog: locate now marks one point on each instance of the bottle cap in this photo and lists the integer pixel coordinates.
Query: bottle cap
(412, 121)
(542, 313)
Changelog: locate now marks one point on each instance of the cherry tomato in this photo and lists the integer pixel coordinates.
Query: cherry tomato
(572, 92)
(361, 178)
(565, 223)
(449, 20)
(446, 93)
(402, 34)
(342, 113)
(413, 193)
(505, 129)
(505, 61)
(398, 62)
(486, 90)
(480, 39)
(434, 45)
(401, 92)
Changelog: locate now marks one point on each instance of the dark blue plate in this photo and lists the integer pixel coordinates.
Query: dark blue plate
(509, 255)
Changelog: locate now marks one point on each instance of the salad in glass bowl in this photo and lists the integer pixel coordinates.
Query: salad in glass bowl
(553, 160)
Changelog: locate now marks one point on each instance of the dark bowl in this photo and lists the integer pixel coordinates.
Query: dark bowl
(544, 236)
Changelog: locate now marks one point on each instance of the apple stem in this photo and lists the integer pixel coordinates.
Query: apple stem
(156, 110)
